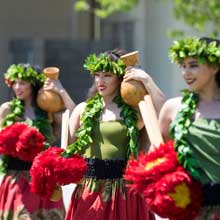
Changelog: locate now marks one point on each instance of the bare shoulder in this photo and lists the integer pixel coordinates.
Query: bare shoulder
(5, 108)
(168, 114)
(4, 111)
(79, 109)
(173, 102)
(170, 108)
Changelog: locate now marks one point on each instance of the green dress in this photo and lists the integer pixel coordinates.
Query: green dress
(204, 136)
(102, 194)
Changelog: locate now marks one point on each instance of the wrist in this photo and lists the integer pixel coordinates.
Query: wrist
(62, 92)
(147, 81)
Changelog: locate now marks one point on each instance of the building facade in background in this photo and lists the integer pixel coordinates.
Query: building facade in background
(51, 33)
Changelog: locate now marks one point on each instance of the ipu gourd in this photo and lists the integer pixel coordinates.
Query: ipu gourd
(48, 100)
(132, 91)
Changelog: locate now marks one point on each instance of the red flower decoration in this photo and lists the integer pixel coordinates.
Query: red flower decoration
(69, 170)
(22, 141)
(9, 137)
(50, 169)
(8, 82)
(42, 176)
(30, 143)
(168, 189)
(150, 167)
(175, 196)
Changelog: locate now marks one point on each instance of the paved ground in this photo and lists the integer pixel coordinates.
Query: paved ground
(67, 192)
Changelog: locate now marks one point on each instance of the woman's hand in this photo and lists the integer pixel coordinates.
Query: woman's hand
(136, 74)
(153, 90)
(54, 85)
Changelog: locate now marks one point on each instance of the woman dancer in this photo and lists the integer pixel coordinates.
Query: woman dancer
(107, 133)
(16, 200)
(194, 119)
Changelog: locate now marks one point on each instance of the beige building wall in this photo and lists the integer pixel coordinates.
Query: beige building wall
(39, 19)
(154, 19)
(43, 19)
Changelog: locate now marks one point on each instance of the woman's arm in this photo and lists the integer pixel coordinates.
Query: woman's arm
(56, 86)
(156, 94)
(74, 122)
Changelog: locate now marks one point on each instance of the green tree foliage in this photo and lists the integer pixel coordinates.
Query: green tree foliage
(198, 14)
(104, 8)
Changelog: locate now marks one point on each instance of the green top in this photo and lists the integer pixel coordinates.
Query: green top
(204, 136)
(110, 140)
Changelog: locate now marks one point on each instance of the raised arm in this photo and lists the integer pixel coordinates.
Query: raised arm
(154, 91)
(56, 86)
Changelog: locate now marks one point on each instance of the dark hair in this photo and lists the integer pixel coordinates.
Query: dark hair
(114, 55)
(209, 40)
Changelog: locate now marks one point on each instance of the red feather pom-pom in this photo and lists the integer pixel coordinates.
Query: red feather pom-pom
(150, 167)
(29, 144)
(9, 138)
(168, 189)
(50, 169)
(175, 196)
(69, 170)
(43, 180)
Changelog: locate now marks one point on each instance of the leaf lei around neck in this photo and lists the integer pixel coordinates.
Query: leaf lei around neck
(41, 122)
(179, 129)
(17, 111)
(92, 112)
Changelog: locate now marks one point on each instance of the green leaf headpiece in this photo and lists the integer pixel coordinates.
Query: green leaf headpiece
(195, 47)
(104, 63)
(26, 73)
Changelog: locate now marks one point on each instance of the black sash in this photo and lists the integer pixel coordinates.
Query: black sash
(105, 169)
(17, 164)
(211, 194)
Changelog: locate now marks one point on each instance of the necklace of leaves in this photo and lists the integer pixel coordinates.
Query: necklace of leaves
(179, 130)
(41, 122)
(92, 113)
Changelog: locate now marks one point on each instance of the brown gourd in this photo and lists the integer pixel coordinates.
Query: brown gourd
(132, 91)
(47, 100)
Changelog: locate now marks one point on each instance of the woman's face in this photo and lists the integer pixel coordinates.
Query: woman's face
(22, 89)
(107, 83)
(198, 76)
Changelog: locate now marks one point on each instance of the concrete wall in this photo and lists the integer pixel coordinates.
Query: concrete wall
(153, 20)
(31, 19)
